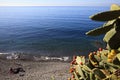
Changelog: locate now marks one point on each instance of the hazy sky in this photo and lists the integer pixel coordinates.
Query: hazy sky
(58, 2)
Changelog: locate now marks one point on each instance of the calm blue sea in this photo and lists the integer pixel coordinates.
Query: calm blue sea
(53, 31)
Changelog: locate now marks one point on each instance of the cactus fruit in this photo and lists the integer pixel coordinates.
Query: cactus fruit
(109, 60)
(102, 64)
(111, 56)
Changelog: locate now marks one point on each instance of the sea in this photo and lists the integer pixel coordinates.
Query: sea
(49, 30)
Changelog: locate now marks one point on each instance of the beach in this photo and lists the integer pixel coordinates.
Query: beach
(34, 70)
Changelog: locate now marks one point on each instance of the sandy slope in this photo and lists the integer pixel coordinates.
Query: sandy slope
(35, 70)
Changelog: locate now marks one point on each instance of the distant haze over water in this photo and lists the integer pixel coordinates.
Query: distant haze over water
(53, 31)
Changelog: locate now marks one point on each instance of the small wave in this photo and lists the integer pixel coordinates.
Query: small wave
(22, 56)
(47, 58)
(4, 53)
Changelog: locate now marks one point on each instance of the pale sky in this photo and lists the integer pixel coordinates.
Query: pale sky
(58, 2)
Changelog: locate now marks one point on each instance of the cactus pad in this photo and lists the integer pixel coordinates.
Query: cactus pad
(108, 15)
(101, 30)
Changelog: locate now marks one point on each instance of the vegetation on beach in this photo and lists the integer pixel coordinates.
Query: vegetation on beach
(103, 64)
(100, 65)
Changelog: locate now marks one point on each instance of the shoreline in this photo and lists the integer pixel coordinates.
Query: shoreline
(22, 56)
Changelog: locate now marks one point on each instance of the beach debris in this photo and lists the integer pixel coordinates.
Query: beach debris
(103, 64)
(16, 70)
(13, 56)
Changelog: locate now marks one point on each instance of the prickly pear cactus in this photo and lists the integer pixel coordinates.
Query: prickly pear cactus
(111, 28)
(100, 65)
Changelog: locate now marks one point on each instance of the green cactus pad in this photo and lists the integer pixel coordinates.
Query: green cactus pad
(118, 56)
(99, 73)
(106, 16)
(116, 61)
(109, 35)
(112, 37)
(101, 30)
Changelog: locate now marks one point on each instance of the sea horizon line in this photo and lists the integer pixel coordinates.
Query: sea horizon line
(51, 6)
